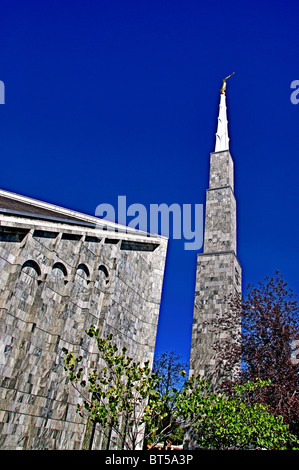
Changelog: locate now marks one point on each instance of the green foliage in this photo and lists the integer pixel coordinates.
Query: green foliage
(121, 396)
(236, 421)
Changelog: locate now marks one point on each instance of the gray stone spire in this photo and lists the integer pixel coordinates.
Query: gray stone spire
(218, 271)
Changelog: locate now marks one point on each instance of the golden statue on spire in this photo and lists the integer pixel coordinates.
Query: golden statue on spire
(224, 84)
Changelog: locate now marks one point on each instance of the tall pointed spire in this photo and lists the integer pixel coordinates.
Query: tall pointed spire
(222, 139)
(218, 271)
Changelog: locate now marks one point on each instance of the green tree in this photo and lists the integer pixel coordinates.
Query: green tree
(121, 397)
(170, 369)
(232, 422)
(168, 366)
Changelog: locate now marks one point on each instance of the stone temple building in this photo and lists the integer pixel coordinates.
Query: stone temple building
(218, 273)
(61, 272)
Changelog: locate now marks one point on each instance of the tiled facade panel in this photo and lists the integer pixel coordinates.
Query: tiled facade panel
(54, 286)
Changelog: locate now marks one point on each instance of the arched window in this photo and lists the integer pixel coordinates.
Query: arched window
(31, 269)
(104, 270)
(102, 278)
(101, 293)
(58, 273)
(80, 291)
(82, 276)
(83, 271)
(29, 278)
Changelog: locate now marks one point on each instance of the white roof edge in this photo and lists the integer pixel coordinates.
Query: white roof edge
(37, 224)
(88, 218)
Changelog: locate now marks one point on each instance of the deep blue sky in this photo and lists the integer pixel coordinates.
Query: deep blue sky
(111, 97)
